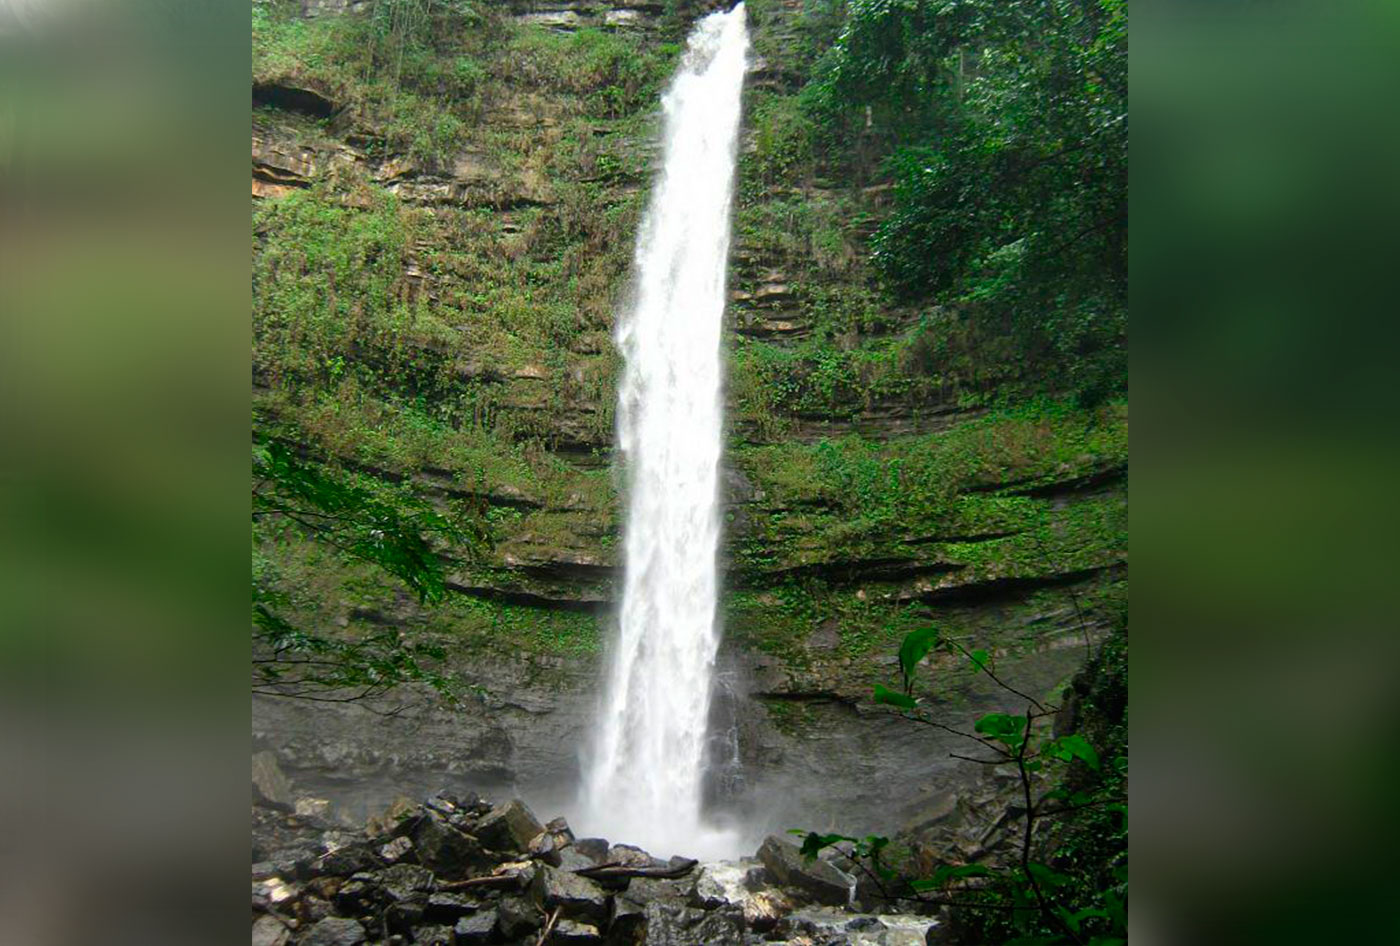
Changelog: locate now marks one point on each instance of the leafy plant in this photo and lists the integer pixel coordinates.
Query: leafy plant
(399, 536)
(1031, 900)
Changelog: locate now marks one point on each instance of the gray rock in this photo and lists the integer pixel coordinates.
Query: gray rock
(574, 896)
(406, 881)
(344, 861)
(335, 931)
(756, 878)
(571, 859)
(395, 850)
(629, 922)
(449, 907)
(403, 917)
(433, 936)
(596, 848)
(476, 928)
(673, 924)
(509, 827)
(817, 879)
(573, 933)
(449, 852)
(630, 855)
(269, 931)
(707, 893)
(517, 917)
(271, 788)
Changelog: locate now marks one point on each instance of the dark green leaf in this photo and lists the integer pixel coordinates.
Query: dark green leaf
(893, 698)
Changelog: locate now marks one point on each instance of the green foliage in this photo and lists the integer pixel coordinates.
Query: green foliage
(915, 647)
(397, 535)
(1004, 122)
(1078, 892)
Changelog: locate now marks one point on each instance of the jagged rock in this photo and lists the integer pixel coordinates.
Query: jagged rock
(573, 933)
(403, 917)
(448, 851)
(765, 908)
(673, 924)
(433, 936)
(334, 931)
(395, 850)
(759, 878)
(399, 818)
(406, 881)
(576, 897)
(517, 917)
(476, 928)
(347, 860)
(358, 894)
(645, 890)
(817, 879)
(270, 931)
(509, 827)
(271, 788)
(310, 908)
(708, 892)
(595, 848)
(448, 907)
(571, 860)
(629, 920)
(630, 855)
(272, 891)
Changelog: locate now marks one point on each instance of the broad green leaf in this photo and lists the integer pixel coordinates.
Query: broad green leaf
(892, 698)
(1078, 747)
(915, 647)
(1046, 876)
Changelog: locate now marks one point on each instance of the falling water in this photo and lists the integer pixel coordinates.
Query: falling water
(643, 784)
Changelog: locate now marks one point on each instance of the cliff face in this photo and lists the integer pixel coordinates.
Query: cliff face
(438, 258)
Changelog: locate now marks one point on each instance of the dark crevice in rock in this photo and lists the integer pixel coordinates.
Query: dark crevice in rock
(569, 571)
(1086, 482)
(530, 599)
(290, 98)
(873, 569)
(974, 537)
(805, 696)
(1000, 588)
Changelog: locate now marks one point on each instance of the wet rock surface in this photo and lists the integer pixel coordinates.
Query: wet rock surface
(316, 883)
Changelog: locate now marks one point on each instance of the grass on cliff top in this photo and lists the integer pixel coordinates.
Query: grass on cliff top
(423, 88)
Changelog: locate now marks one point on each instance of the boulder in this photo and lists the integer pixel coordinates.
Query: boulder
(765, 909)
(406, 881)
(334, 931)
(449, 852)
(816, 878)
(271, 788)
(269, 931)
(395, 850)
(347, 860)
(509, 827)
(476, 928)
(517, 917)
(595, 848)
(673, 924)
(574, 896)
(449, 907)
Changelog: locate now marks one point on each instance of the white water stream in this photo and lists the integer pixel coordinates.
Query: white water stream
(642, 784)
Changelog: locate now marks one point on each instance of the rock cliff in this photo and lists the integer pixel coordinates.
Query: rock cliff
(438, 258)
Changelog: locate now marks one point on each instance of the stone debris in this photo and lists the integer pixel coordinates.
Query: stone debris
(454, 871)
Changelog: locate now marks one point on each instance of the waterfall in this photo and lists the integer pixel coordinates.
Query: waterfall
(643, 783)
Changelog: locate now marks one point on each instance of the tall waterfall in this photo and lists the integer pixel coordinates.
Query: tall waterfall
(643, 783)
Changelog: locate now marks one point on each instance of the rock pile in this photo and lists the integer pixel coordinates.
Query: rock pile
(457, 870)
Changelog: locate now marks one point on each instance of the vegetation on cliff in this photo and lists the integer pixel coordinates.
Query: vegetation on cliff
(926, 363)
